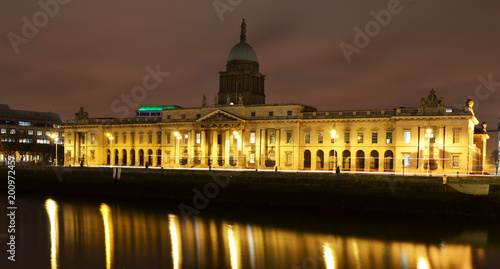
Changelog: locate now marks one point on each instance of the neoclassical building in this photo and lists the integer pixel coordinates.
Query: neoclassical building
(241, 131)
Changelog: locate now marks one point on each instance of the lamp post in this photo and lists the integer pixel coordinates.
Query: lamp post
(334, 137)
(110, 137)
(56, 138)
(178, 137)
(429, 135)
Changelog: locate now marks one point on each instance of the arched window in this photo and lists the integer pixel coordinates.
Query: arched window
(374, 158)
(346, 160)
(360, 160)
(307, 159)
(389, 161)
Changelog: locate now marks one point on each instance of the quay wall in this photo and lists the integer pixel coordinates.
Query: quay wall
(316, 193)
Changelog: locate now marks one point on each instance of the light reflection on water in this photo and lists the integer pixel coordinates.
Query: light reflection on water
(51, 207)
(89, 235)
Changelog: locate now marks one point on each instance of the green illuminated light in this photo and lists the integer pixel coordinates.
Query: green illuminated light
(158, 108)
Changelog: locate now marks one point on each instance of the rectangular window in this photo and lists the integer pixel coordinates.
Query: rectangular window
(308, 138)
(374, 137)
(456, 161)
(288, 137)
(168, 138)
(124, 139)
(271, 113)
(252, 114)
(320, 138)
(406, 160)
(21, 132)
(39, 132)
(158, 138)
(186, 138)
(252, 138)
(407, 137)
(116, 138)
(289, 113)
(198, 138)
(141, 138)
(272, 138)
(252, 158)
(92, 138)
(62, 134)
(4, 131)
(12, 131)
(132, 138)
(456, 137)
(347, 137)
(25, 123)
(47, 133)
(388, 137)
(288, 158)
(360, 137)
(150, 139)
(30, 132)
(168, 117)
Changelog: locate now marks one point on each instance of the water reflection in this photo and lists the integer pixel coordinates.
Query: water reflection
(174, 236)
(232, 247)
(329, 260)
(51, 207)
(117, 236)
(108, 234)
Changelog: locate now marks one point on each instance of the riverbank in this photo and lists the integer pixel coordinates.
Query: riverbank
(315, 193)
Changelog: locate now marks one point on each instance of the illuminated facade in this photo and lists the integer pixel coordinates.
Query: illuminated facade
(240, 131)
(28, 136)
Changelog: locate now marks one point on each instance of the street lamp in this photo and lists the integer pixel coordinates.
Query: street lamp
(429, 135)
(334, 137)
(178, 136)
(56, 138)
(110, 137)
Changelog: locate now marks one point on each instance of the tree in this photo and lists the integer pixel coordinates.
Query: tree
(494, 158)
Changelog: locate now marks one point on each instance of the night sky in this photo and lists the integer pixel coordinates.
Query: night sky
(90, 53)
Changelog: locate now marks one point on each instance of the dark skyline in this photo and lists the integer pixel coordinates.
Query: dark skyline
(91, 54)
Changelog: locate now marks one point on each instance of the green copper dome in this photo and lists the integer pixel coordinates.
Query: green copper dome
(242, 51)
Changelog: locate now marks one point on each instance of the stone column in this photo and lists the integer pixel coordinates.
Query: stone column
(226, 148)
(263, 148)
(313, 159)
(214, 155)
(257, 148)
(297, 164)
(241, 149)
(120, 156)
(77, 148)
(191, 143)
(278, 149)
(203, 148)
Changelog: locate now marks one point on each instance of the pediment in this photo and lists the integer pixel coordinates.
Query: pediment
(219, 116)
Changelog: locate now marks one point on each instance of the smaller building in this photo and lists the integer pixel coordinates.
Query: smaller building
(29, 136)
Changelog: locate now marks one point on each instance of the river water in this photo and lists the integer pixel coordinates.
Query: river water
(54, 232)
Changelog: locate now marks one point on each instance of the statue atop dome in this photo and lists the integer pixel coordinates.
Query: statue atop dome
(243, 36)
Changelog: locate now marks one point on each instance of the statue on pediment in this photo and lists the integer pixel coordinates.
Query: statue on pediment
(432, 100)
(82, 116)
